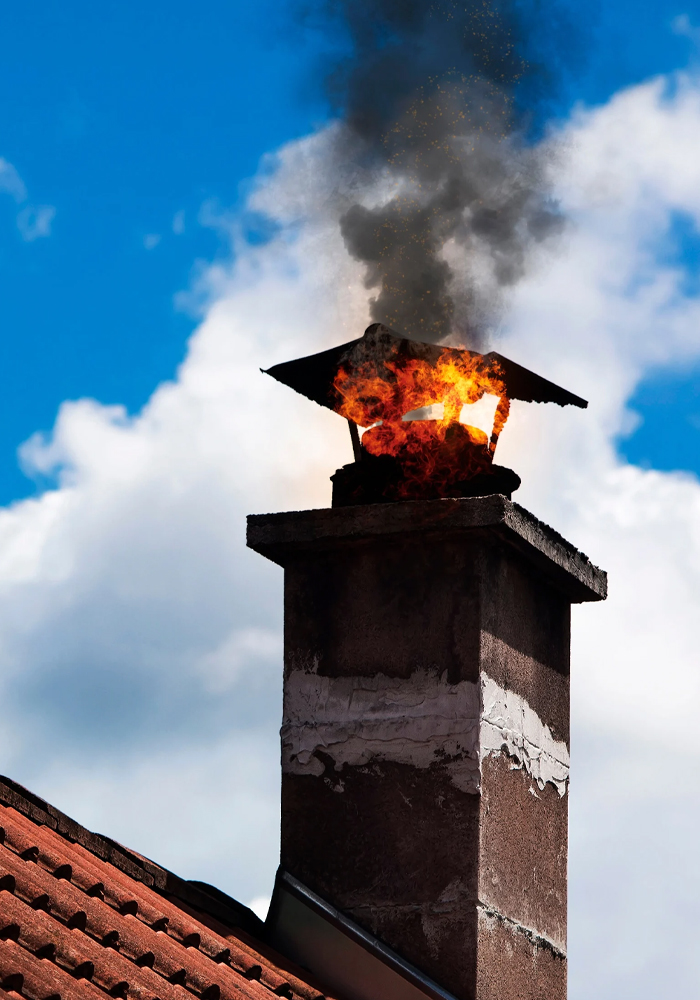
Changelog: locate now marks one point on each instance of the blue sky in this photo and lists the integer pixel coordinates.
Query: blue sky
(127, 118)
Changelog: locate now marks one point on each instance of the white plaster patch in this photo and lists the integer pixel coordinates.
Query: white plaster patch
(359, 719)
(508, 722)
(418, 721)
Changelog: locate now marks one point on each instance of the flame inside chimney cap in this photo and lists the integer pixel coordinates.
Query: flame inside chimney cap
(315, 376)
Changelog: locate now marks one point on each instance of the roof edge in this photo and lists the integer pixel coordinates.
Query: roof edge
(419, 983)
(214, 902)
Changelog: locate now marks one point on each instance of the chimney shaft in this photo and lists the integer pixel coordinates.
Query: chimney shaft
(426, 730)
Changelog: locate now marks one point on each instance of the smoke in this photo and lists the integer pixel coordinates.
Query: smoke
(450, 198)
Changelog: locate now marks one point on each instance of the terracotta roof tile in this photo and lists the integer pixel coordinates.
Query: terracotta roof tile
(82, 920)
(39, 978)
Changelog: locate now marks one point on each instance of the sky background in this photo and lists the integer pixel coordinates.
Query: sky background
(153, 255)
(138, 124)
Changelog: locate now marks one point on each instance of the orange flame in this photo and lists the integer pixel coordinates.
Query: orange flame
(442, 451)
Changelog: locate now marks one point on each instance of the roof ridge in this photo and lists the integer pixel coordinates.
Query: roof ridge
(215, 903)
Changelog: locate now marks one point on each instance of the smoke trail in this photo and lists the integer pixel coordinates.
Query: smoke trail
(428, 95)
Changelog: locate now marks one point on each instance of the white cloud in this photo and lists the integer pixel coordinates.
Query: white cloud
(260, 905)
(151, 240)
(34, 222)
(139, 639)
(179, 222)
(221, 668)
(10, 181)
(199, 806)
(682, 25)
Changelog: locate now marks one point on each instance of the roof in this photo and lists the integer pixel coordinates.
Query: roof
(314, 376)
(83, 917)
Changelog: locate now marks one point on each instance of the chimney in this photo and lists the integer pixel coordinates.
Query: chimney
(425, 738)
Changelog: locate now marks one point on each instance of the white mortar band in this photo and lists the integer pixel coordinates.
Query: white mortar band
(418, 721)
(508, 723)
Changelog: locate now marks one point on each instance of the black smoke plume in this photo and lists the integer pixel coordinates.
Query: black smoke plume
(454, 198)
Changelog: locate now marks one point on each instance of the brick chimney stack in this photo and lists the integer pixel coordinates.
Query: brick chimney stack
(425, 739)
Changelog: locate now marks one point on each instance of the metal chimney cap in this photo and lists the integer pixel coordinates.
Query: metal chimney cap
(314, 375)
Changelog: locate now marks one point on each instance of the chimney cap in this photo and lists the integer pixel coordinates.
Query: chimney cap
(314, 376)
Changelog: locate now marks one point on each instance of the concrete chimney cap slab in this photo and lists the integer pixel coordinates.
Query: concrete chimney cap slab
(284, 536)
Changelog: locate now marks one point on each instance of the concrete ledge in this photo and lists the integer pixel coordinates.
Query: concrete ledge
(281, 537)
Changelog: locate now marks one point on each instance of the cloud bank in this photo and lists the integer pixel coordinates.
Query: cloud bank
(140, 642)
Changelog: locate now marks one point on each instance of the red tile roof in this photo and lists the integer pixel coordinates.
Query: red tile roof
(81, 917)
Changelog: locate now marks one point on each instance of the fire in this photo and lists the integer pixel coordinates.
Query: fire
(376, 382)
(442, 451)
